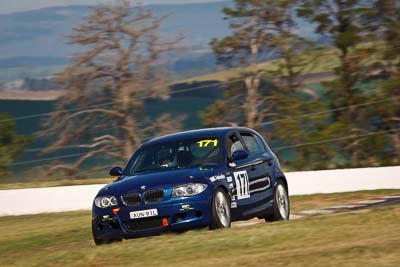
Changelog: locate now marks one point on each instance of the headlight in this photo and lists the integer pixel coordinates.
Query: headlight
(188, 190)
(105, 201)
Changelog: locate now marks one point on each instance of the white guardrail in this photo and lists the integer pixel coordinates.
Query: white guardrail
(72, 198)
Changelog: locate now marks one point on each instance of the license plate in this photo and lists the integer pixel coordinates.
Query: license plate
(143, 213)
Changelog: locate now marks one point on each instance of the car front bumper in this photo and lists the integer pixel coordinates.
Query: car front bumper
(177, 216)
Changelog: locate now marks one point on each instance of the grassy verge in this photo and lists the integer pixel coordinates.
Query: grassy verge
(20, 185)
(348, 239)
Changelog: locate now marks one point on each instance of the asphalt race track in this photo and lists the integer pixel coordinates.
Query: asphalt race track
(73, 198)
(357, 205)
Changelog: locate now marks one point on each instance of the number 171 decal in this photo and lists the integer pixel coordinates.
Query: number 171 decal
(205, 143)
(242, 184)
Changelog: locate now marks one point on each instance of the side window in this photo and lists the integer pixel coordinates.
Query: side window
(260, 143)
(233, 144)
(252, 145)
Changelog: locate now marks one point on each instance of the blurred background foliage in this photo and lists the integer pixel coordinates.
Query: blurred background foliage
(11, 144)
(321, 103)
(348, 130)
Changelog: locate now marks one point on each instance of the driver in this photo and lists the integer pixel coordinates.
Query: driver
(166, 158)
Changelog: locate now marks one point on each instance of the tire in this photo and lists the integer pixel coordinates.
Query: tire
(99, 241)
(281, 206)
(221, 210)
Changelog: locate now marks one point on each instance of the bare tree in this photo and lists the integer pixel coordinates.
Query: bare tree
(102, 108)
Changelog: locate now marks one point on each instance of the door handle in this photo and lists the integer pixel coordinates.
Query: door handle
(253, 168)
(270, 162)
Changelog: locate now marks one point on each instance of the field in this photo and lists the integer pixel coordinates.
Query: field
(320, 61)
(327, 61)
(347, 239)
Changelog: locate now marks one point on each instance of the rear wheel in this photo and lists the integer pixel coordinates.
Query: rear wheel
(281, 206)
(221, 210)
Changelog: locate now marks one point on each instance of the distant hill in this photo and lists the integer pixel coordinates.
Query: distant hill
(44, 32)
(31, 42)
(34, 42)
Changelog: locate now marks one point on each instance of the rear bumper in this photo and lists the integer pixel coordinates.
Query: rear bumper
(179, 216)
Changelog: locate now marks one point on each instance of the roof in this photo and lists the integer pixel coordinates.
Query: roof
(214, 132)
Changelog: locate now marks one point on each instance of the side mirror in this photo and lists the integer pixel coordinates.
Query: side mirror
(239, 154)
(116, 171)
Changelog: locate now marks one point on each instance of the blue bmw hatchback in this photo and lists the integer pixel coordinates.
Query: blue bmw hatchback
(207, 177)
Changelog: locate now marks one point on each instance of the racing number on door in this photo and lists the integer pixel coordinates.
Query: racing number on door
(242, 184)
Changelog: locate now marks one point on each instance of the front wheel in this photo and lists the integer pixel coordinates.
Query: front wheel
(281, 207)
(98, 241)
(221, 210)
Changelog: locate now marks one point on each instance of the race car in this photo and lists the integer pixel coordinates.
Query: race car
(200, 178)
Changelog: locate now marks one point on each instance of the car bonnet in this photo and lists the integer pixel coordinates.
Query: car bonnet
(160, 179)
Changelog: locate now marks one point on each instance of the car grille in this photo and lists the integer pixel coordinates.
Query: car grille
(143, 224)
(153, 196)
(132, 199)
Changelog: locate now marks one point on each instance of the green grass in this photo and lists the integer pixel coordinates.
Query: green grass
(20, 185)
(346, 239)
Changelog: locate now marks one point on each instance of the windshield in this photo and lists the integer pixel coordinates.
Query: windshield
(176, 154)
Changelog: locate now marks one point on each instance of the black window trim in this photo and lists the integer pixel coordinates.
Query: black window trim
(239, 137)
